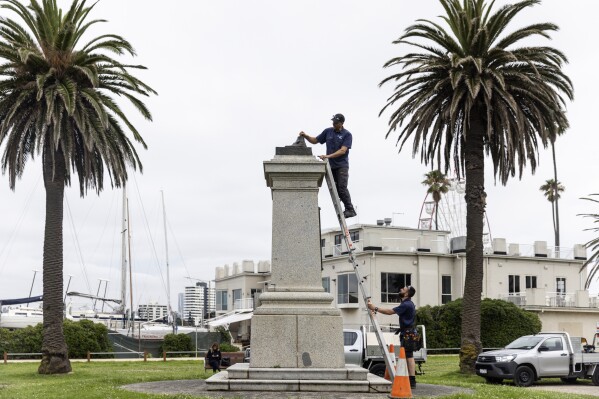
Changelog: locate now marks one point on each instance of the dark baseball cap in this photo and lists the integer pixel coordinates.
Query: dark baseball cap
(338, 118)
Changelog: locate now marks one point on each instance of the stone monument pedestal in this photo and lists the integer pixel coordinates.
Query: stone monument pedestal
(297, 334)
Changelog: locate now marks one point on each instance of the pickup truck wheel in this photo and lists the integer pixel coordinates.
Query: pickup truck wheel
(595, 377)
(569, 380)
(524, 376)
(378, 369)
(494, 380)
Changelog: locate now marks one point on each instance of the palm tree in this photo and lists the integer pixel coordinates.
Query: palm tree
(552, 189)
(593, 260)
(469, 90)
(437, 185)
(56, 101)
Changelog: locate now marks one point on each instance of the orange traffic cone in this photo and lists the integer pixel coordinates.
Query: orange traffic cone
(387, 376)
(401, 382)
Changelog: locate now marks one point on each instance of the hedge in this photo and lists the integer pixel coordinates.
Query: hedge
(80, 336)
(501, 323)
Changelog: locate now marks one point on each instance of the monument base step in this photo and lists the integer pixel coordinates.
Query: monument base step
(243, 371)
(370, 384)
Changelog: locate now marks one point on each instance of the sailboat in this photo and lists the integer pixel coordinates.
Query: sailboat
(153, 329)
(22, 316)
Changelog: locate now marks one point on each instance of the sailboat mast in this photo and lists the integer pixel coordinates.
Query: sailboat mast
(168, 274)
(130, 272)
(124, 252)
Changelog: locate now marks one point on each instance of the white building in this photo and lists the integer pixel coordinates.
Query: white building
(198, 303)
(533, 276)
(152, 311)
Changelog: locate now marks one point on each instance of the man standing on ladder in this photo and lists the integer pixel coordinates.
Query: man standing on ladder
(339, 141)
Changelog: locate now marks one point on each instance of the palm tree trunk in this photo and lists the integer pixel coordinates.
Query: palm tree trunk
(475, 209)
(54, 349)
(556, 227)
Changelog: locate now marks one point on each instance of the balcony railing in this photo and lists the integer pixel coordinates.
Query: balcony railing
(560, 300)
(244, 304)
(518, 299)
(440, 246)
(552, 299)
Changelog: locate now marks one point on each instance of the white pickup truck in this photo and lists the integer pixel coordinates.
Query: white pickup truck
(362, 348)
(532, 357)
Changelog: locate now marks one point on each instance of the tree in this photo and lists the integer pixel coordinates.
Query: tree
(56, 101)
(467, 91)
(593, 245)
(552, 189)
(437, 185)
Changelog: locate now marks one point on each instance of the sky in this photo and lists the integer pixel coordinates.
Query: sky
(236, 79)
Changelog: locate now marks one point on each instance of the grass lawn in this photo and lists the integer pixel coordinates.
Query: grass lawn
(102, 380)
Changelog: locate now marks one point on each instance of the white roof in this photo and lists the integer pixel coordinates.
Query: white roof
(231, 318)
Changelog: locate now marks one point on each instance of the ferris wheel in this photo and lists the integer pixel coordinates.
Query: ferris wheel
(450, 213)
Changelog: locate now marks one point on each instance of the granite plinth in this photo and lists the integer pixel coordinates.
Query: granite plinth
(297, 341)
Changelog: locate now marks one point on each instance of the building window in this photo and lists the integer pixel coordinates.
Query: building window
(237, 299)
(560, 285)
(347, 288)
(513, 284)
(338, 239)
(531, 281)
(391, 283)
(221, 300)
(445, 289)
(353, 235)
(326, 284)
(322, 243)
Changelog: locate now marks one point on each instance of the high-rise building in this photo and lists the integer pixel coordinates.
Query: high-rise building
(180, 303)
(199, 302)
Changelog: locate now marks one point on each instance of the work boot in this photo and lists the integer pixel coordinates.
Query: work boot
(412, 381)
(349, 213)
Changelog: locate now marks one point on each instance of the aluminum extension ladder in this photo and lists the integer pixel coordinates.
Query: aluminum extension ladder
(389, 360)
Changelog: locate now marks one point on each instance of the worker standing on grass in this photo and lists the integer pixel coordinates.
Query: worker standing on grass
(338, 140)
(407, 319)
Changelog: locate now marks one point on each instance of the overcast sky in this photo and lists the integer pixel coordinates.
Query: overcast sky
(237, 79)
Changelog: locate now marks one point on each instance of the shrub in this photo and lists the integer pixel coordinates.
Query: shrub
(225, 347)
(177, 343)
(225, 335)
(81, 337)
(501, 323)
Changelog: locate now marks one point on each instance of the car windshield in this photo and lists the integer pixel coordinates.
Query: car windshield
(524, 343)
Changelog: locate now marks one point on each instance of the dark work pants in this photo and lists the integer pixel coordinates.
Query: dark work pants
(341, 177)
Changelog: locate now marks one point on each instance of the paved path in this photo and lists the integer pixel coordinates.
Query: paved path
(198, 388)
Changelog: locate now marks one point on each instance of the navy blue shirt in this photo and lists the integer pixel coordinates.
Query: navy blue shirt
(335, 140)
(406, 312)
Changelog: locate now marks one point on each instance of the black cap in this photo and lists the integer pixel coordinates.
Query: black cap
(338, 118)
